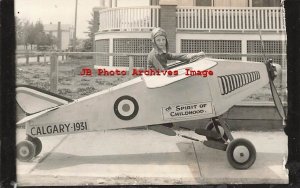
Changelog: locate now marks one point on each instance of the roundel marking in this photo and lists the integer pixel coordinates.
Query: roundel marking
(126, 107)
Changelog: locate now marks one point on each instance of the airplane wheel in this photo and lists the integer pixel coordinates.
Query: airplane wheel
(38, 144)
(241, 153)
(25, 150)
(210, 127)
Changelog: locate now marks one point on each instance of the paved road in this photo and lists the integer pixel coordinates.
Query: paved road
(147, 157)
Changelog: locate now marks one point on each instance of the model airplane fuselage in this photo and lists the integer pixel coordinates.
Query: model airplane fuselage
(135, 103)
(145, 100)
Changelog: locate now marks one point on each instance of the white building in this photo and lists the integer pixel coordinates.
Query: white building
(212, 26)
(67, 32)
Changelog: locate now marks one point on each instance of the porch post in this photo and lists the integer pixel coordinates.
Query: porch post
(168, 21)
(244, 49)
(111, 50)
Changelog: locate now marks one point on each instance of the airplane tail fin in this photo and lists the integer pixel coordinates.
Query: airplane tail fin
(33, 100)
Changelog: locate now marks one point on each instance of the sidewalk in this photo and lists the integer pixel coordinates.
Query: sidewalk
(147, 157)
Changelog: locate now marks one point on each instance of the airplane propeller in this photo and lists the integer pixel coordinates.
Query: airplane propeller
(272, 68)
(277, 101)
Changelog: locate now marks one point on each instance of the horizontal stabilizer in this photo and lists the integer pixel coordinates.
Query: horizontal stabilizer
(33, 100)
(27, 118)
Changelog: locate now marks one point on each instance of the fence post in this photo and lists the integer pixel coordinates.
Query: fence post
(38, 58)
(45, 58)
(53, 72)
(130, 65)
(27, 58)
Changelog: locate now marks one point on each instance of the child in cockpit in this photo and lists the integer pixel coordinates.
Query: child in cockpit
(159, 55)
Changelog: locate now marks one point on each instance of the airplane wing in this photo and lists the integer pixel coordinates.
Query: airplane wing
(33, 100)
(163, 80)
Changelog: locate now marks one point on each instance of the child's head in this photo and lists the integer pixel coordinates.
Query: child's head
(159, 39)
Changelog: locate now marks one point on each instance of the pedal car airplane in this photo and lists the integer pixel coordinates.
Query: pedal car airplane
(153, 101)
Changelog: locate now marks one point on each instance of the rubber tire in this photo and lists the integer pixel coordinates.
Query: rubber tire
(252, 153)
(209, 127)
(31, 150)
(38, 144)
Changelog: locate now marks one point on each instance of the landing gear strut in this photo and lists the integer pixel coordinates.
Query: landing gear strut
(215, 126)
(241, 153)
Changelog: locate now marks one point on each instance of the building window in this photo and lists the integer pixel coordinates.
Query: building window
(213, 47)
(203, 2)
(131, 45)
(270, 47)
(266, 3)
(102, 46)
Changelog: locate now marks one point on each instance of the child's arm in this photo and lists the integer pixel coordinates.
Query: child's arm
(178, 57)
(185, 57)
(195, 56)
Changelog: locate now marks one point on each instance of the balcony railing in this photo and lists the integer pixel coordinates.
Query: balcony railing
(129, 18)
(231, 18)
(194, 18)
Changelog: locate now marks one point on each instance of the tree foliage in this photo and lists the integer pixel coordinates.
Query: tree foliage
(19, 31)
(31, 34)
(92, 29)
